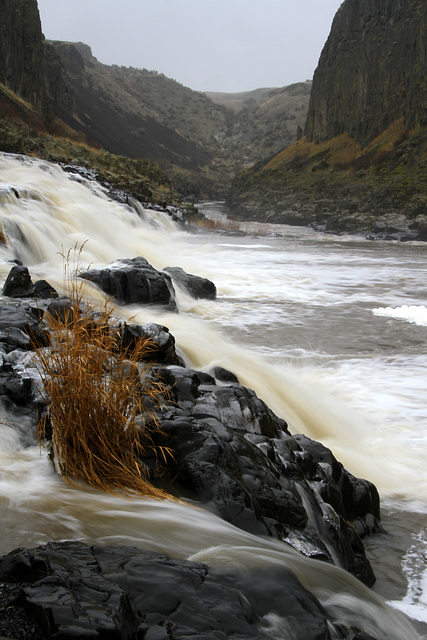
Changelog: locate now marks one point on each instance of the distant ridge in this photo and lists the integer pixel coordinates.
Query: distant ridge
(240, 100)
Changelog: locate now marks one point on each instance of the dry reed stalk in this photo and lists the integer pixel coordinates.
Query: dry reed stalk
(98, 399)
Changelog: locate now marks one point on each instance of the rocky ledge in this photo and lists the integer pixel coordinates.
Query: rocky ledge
(69, 590)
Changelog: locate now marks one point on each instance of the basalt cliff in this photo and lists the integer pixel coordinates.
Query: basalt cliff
(361, 165)
(372, 71)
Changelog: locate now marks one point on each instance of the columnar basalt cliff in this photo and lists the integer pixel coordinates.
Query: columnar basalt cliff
(22, 67)
(361, 165)
(372, 70)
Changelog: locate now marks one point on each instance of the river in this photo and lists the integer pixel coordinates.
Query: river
(329, 330)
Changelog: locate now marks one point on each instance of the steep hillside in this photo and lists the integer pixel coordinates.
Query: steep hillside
(362, 163)
(200, 141)
(139, 113)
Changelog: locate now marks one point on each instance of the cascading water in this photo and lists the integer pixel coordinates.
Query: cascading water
(294, 320)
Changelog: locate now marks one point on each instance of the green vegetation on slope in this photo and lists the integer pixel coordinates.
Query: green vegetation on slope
(338, 185)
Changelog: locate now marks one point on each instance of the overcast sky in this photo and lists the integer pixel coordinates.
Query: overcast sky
(207, 45)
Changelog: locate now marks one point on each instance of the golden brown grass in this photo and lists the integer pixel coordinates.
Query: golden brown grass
(102, 401)
(341, 152)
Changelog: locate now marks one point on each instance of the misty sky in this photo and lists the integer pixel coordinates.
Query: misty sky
(207, 45)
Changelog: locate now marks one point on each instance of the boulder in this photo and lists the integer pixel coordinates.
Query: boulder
(70, 590)
(134, 281)
(18, 283)
(163, 349)
(44, 290)
(196, 286)
(224, 375)
(62, 309)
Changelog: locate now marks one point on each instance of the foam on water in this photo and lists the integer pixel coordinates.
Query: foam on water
(414, 565)
(416, 314)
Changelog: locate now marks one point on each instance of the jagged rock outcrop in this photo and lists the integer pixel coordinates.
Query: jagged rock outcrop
(234, 455)
(196, 286)
(30, 67)
(60, 96)
(372, 70)
(230, 451)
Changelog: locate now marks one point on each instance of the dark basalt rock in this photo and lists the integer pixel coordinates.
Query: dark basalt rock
(21, 51)
(44, 290)
(163, 342)
(371, 71)
(223, 375)
(21, 326)
(196, 286)
(231, 452)
(70, 590)
(18, 283)
(135, 281)
(236, 457)
(61, 308)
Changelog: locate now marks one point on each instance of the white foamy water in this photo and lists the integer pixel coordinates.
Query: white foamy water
(293, 319)
(410, 313)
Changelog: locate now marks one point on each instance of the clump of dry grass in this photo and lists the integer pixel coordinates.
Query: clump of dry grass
(101, 402)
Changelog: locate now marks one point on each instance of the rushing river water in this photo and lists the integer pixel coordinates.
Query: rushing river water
(330, 331)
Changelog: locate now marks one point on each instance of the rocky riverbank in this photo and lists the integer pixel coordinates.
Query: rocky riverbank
(337, 186)
(231, 455)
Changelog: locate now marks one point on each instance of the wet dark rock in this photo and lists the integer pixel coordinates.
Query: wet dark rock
(21, 327)
(196, 286)
(231, 452)
(44, 290)
(236, 457)
(223, 375)
(18, 283)
(135, 281)
(62, 309)
(70, 590)
(163, 350)
(15, 387)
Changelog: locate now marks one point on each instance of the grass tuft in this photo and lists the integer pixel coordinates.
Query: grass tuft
(102, 400)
